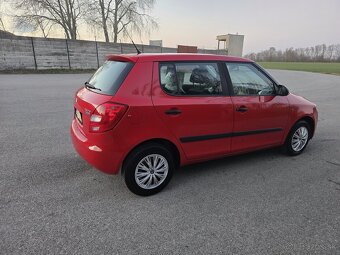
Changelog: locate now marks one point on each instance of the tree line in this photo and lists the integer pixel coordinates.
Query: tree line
(111, 18)
(318, 53)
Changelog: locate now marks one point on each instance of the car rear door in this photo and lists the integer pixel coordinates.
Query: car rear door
(190, 99)
(260, 116)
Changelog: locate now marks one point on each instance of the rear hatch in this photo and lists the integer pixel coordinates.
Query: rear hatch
(94, 108)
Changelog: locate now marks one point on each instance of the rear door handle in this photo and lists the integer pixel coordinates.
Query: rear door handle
(242, 109)
(173, 111)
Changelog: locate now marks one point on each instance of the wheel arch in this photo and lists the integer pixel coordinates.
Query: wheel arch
(310, 121)
(161, 141)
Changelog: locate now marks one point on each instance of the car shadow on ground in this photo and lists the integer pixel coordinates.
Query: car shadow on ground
(244, 169)
(226, 165)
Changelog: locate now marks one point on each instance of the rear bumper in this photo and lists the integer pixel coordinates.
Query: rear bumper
(98, 150)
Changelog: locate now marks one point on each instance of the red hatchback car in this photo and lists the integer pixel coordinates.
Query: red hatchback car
(146, 115)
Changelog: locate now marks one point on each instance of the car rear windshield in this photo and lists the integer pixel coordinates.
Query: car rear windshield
(110, 76)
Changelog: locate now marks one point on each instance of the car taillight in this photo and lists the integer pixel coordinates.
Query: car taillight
(106, 116)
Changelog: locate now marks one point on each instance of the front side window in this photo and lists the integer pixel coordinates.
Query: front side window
(190, 79)
(247, 80)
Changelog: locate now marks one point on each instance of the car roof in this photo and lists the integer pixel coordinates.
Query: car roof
(164, 57)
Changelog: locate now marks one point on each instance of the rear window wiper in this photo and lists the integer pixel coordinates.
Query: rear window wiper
(88, 85)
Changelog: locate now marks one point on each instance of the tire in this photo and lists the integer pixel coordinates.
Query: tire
(298, 138)
(148, 169)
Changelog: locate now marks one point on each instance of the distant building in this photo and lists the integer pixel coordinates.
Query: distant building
(233, 44)
(186, 49)
(158, 43)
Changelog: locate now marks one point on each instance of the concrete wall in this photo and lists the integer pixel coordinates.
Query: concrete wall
(16, 54)
(42, 53)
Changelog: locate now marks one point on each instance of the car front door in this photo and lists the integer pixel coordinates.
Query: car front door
(260, 116)
(189, 98)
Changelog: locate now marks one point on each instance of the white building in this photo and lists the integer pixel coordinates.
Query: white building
(233, 44)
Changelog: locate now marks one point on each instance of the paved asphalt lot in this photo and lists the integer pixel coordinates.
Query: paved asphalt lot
(52, 202)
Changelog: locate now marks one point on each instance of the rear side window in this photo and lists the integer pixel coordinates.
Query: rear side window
(110, 76)
(190, 79)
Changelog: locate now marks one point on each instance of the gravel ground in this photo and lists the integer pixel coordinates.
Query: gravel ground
(52, 202)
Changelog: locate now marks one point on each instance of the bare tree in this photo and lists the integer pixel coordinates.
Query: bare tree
(337, 52)
(117, 16)
(330, 52)
(319, 53)
(32, 20)
(44, 13)
(2, 25)
(99, 15)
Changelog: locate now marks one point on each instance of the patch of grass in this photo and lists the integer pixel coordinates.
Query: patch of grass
(327, 68)
(47, 71)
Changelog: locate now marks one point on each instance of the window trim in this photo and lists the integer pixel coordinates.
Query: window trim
(224, 86)
(260, 69)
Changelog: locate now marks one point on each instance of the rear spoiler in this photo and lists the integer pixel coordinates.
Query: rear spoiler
(123, 58)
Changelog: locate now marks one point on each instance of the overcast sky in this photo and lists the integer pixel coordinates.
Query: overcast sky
(265, 23)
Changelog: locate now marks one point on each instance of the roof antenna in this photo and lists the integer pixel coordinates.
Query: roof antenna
(138, 51)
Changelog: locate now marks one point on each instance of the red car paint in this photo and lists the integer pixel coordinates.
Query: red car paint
(208, 127)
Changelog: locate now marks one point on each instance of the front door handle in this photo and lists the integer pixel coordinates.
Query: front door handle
(173, 111)
(242, 108)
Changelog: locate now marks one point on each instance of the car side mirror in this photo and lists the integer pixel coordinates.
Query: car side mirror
(282, 90)
(266, 92)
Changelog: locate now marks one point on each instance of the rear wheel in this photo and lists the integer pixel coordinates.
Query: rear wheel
(298, 138)
(148, 169)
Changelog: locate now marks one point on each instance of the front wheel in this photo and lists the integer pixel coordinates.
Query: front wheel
(148, 169)
(298, 138)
